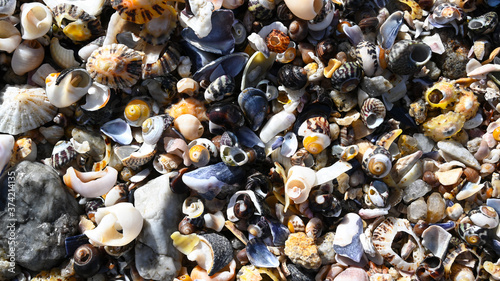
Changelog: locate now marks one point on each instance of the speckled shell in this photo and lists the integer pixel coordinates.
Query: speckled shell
(219, 88)
(444, 126)
(81, 27)
(484, 24)
(262, 9)
(373, 112)
(347, 77)
(407, 57)
(254, 104)
(158, 30)
(115, 65)
(277, 41)
(62, 154)
(368, 56)
(139, 11)
(377, 162)
(167, 63)
(292, 76)
(441, 94)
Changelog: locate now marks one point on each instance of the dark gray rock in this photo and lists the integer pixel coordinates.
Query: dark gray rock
(45, 214)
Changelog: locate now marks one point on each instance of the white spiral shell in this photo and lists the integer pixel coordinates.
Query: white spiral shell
(28, 56)
(10, 37)
(67, 87)
(36, 20)
(299, 184)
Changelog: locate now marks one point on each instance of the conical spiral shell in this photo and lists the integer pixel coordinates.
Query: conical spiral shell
(373, 112)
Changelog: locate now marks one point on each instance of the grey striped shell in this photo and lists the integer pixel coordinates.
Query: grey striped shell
(407, 57)
(167, 63)
(373, 112)
(81, 27)
(347, 77)
(221, 87)
(367, 55)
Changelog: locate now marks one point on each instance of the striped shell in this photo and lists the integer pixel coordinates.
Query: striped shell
(373, 112)
(292, 76)
(158, 30)
(115, 65)
(81, 26)
(167, 63)
(377, 162)
(484, 24)
(371, 57)
(221, 87)
(139, 11)
(347, 77)
(383, 237)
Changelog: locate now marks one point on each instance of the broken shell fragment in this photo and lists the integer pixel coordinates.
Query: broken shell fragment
(91, 184)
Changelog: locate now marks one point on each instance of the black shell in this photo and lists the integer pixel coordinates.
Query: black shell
(227, 115)
(88, 260)
(484, 24)
(254, 104)
(473, 235)
(244, 208)
(347, 77)
(326, 49)
(162, 88)
(259, 184)
(221, 87)
(324, 203)
(292, 76)
(222, 251)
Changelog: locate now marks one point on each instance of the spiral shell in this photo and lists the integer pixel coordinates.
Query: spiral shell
(472, 234)
(373, 112)
(377, 162)
(407, 57)
(67, 87)
(441, 94)
(28, 56)
(377, 194)
(81, 26)
(139, 11)
(484, 24)
(292, 76)
(299, 183)
(277, 41)
(167, 63)
(326, 49)
(193, 207)
(36, 20)
(484, 216)
(371, 58)
(199, 155)
(347, 77)
(10, 37)
(137, 111)
(153, 127)
(115, 65)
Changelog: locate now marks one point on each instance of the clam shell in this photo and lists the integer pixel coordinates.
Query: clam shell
(118, 130)
(20, 104)
(27, 57)
(10, 37)
(389, 30)
(254, 104)
(259, 255)
(256, 69)
(36, 20)
(230, 65)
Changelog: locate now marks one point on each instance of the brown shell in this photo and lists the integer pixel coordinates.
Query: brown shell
(139, 11)
(115, 65)
(326, 49)
(471, 175)
(277, 41)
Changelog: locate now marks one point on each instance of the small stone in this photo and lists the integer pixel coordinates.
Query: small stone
(456, 151)
(416, 190)
(417, 210)
(435, 208)
(351, 274)
(454, 212)
(348, 243)
(302, 251)
(450, 177)
(325, 248)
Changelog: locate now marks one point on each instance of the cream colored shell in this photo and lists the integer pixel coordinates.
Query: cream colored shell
(299, 184)
(305, 9)
(36, 20)
(27, 57)
(91, 184)
(67, 88)
(10, 37)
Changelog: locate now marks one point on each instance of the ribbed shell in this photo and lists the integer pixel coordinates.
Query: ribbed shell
(24, 108)
(347, 77)
(167, 63)
(139, 11)
(292, 76)
(115, 65)
(87, 26)
(407, 57)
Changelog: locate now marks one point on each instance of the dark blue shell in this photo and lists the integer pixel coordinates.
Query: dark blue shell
(259, 255)
(254, 104)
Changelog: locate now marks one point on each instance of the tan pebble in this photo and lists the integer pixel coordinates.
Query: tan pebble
(435, 208)
(449, 177)
(486, 169)
(454, 212)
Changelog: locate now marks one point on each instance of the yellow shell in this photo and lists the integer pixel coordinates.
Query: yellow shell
(467, 105)
(199, 154)
(314, 143)
(441, 94)
(139, 11)
(136, 112)
(184, 243)
(444, 126)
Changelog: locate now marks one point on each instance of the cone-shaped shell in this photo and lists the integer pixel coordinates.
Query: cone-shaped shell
(377, 162)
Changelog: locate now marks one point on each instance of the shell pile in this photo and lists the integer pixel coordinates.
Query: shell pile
(311, 139)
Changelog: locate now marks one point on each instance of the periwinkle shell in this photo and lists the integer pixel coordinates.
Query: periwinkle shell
(227, 115)
(292, 76)
(347, 77)
(221, 87)
(254, 104)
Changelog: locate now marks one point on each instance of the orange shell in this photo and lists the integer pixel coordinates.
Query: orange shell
(139, 11)
(115, 65)
(277, 41)
(188, 106)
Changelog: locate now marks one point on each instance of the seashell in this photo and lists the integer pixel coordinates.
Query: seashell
(91, 184)
(165, 163)
(118, 130)
(456, 151)
(23, 149)
(189, 126)
(137, 111)
(220, 88)
(193, 207)
(452, 262)
(316, 135)
(209, 180)
(157, 31)
(470, 189)
(188, 106)
(133, 156)
(119, 193)
(85, 52)
(52, 134)
(115, 65)
(256, 69)
(484, 24)
(214, 221)
(212, 253)
(292, 77)
(88, 260)
(122, 216)
(298, 30)
(219, 40)
(314, 228)
(467, 104)
(7, 8)
(384, 235)
(389, 30)
(226, 274)
(300, 181)
(449, 177)
(347, 77)
(27, 57)
(188, 86)
(185, 243)
(230, 65)
(349, 245)
(277, 41)
(289, 145)
(259, 255)
(377, 162)
(69, 86)
(484, 217)
(377, 194)
(233, 156)
(443, 126)
(199, 155)
(139, 12)
(63, 57)
(20, 104)
(36, 20)
(407, 57)
(97, 98)
(162, 88)
(62, 154)
(226, 115)
(436, 240)
(197, 16)
(431, 268)
(254, 104)
(10, 37)
(441, 94)
(304, 9)
(6, 149)
(473, 235)
(167, 63)
(371, 58)
(75, 23)
(153, 127)
(373, 112)
(261, 9)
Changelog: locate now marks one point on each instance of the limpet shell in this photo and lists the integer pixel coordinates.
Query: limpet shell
(139, 11)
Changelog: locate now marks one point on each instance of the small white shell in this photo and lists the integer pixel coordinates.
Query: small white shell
(114, 195)
(28, 56)
(67, 87)
(97, 98)
(469, 190)
(10, 37)
(152, 129)
(200, 21)
(41, 74)
(189, 126)
(299, 183)
(65, 58)
(91, 184)
(277, 123)
(305, 9)
(6, 147)
(214, 221)
(484, 217)
(165, 163)
(122, 216)
(36, 20)
(193, 207)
